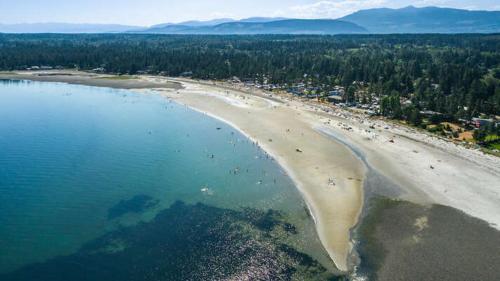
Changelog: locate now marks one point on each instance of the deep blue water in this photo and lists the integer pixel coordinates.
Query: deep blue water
(78, 163)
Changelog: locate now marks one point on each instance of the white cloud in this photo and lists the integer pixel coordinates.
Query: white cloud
(333, 8)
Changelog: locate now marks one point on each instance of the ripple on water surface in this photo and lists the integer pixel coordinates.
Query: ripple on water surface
(103, 167)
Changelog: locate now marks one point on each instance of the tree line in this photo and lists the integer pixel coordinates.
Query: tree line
(457, 75)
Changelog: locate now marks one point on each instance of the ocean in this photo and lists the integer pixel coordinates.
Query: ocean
(108, 184)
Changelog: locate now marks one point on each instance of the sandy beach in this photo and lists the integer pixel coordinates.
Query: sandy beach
(328, 175)
(88, 79)
(316, 145)
(425, 168)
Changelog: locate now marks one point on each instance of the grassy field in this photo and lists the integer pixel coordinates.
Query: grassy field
(492, 138)
(494, 145)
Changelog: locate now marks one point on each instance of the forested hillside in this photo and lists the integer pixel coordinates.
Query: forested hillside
(453, 74)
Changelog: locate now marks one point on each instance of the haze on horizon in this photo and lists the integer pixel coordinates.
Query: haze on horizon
(150, 12)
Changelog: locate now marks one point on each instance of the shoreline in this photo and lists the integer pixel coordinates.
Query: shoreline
(87, 79)
(333, 223)
(421, 168)
(340, 145)
(335, 204)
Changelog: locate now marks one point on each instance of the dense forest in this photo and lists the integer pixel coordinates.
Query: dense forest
(457, 75)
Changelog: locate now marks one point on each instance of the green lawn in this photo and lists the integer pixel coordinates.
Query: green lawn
(492, 138)
(495, 145)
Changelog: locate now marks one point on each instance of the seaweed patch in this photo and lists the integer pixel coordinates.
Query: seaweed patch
(136, 204)
(187, 242)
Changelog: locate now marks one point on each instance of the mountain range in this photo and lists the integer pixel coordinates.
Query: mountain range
(426, 20)
(377, 21)
(272, 26)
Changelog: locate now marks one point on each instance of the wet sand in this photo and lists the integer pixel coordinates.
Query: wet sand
(88, 79)
(405, 241)
(328, 174)
(426, 169)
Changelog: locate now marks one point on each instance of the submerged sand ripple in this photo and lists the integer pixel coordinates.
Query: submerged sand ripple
(328, 174)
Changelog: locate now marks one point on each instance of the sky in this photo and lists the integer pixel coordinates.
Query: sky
(149, 12)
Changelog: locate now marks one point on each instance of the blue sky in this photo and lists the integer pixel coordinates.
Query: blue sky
(148, 12)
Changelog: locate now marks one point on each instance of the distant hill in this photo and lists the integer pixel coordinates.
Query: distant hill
(264, 26)
(65, 28)
(262, 19)
(196, 23)
(426, 20)
(382, 20)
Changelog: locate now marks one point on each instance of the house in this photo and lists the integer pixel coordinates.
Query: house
(296, 90)
(335, 96)
(335, 99)
(313, 95)
(335, 92)
(186, 74)
(407, 102)
(235, 80)
(429, 113)
(479, 122)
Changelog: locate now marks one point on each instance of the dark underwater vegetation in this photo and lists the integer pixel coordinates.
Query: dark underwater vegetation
(80, 193)
(136, 204)
(186, 242)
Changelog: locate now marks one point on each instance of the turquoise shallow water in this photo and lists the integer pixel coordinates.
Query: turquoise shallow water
(78, 163)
